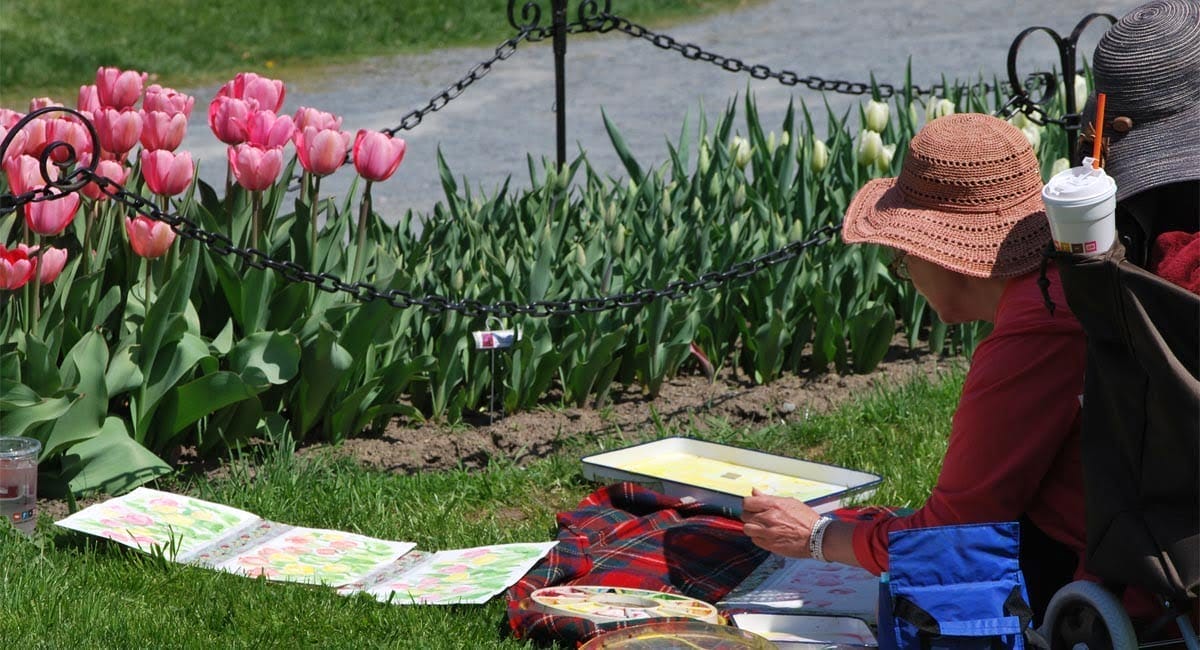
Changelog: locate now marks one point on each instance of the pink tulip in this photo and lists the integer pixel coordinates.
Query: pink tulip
(161, 130)
(166, 173)
(50, 262)
(89, 99)
(227, 119)
(70, 132)
(35, 136)
(265, 129)
(260, 92)
(321, 151)
(255, 168)
(9, 117)
(52, 216)
(25, 174)
(149, 238)
(119, 89)
(110, 169)
(168, 100)
(376, 155)
(15, 268)
(320, 120)
(118, 130)
(38, 103)
(16, 147)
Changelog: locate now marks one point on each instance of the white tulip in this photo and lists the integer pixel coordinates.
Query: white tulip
(1060, 165)
(618, 241)
(705, 158)
(938, 107)
(820, 156)
(739, 148)
(785, 139)
(1081, 90)
(1033, 134)
(884, 162)
(739, 197)
(870, 144)
(913, 115)
(1019, 120)
(875, 116)
(771, 143)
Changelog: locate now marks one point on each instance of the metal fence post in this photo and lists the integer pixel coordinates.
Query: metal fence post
(560, 78)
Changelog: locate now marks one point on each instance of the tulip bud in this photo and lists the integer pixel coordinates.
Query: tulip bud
(618, 241)
(714, 187)
(884, 162)
(820, 156)
(1060, 165)
(739, 149)
(1019, 120)
(771, 143)
(875, 116)
(456, 283)
(665, 205)
(705, 159)
(938, 107)
(1033, 134)
(697, 208)
(739, 197)
(796, 232)
(581, 259)
(870, 146)
(550, 181)
(610, 214)
(785, 139)
(735, 230)
(913, 115)
(633, 187)
(1081, 89)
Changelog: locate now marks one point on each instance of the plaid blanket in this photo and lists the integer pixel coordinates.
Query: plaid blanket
(625, 535)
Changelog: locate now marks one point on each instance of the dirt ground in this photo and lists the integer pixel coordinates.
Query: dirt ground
(410, 447)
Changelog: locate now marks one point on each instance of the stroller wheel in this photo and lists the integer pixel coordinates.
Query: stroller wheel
(1085, 616)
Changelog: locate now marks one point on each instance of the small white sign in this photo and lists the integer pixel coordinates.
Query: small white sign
(496, 339)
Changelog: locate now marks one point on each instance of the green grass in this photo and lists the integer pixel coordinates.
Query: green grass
(51, 47)
(68, 590)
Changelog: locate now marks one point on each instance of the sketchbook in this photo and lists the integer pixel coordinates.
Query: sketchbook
(191, 531)
(805, 586)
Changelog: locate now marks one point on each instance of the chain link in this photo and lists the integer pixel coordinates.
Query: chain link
(607, 22)
(363, 292)
(502, 53)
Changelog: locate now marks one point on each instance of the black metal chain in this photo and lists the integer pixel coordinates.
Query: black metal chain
(503, 52)
(363, 292)
(607, 22)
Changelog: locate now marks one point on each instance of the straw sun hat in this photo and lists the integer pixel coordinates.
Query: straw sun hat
(1148, 67)
(968, 198)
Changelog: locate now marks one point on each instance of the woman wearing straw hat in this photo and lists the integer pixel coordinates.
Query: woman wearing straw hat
(966, 224)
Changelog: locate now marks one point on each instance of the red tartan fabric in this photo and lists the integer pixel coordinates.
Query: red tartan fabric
(625, 535)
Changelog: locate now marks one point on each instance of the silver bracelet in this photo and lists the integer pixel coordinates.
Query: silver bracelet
(816, 541)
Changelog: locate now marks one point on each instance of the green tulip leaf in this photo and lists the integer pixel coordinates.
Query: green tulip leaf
(84, 419)
(123, 373)
(112, 462)
(200, 397)
(266, 358)
(324, 362)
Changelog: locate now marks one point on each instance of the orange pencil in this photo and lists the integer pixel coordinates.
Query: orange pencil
(1100, 98)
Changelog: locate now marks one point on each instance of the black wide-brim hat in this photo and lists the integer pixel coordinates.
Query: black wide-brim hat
(1148, 67)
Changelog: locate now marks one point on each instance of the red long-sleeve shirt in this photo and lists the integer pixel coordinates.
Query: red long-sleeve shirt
(1014, 442)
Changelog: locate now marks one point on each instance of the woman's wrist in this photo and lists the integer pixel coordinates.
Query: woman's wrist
(816, 541)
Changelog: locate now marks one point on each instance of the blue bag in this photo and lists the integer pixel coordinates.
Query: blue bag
(955, 587)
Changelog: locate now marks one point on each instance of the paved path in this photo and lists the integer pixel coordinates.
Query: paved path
(486, 133)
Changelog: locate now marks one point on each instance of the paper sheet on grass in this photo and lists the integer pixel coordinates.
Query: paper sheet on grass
(200, 533)
(464, 576)
(805, 586)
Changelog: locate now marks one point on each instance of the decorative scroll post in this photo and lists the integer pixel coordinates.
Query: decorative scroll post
(1071, 120)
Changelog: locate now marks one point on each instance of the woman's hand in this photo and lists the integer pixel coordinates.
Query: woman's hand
(781, 525)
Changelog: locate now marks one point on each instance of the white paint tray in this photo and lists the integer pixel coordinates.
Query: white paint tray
(722, 474)
(808, 632)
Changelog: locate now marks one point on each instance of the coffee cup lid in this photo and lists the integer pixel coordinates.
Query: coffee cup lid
(1079, 185)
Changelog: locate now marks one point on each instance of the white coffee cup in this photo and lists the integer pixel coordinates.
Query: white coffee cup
(1081, 204)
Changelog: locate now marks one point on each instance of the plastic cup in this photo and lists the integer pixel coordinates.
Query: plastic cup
(18, 482)
(1081, 204)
